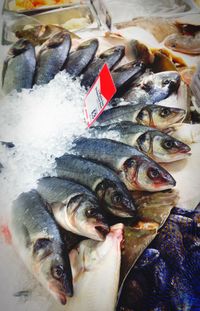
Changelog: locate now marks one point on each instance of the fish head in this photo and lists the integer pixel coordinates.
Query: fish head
(162, 147)
(53, 268)
(18, 48)
(116, 198)
(159, 116)
(142, 173)
(86, 217)
(161, 85)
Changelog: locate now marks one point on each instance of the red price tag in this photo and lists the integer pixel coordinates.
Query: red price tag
(99, 95)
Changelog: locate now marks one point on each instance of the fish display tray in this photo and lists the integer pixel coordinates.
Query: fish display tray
(80, 16)
(10, 6)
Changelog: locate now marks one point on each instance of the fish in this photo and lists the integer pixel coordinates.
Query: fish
(38, 34)
(19, 67)
(38, 242)
(140, 51)
(169, 242)
(187, 44)
(91, 261)
(148, 257)
(52, 57)
(161, 276)
(7, 144)
(74, 207)
(126, 74)
(104, 182)
(111, 57)
(79, 60)
(154, 87)
(157, 145)
(155, 116)
(137, 171)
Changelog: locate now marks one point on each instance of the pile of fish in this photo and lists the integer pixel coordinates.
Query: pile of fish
(167, 275)
(75, 219)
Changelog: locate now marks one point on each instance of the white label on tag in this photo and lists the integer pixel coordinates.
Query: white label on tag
(99, 95)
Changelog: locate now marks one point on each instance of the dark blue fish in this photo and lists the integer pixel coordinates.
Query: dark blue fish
(149, 256)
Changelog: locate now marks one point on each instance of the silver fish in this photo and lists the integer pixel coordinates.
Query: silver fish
(52, 57)
(136, 170)
(154, 143)
(38, 241)
(74, 207)
(19, 67)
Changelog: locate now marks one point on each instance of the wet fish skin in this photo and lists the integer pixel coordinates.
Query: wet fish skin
(161, 275)
(156, 144)
(126, 74)
(38, 242)
(52, 57)
(19, 67)
(79, 60)
(148, 257)
(155, 116)
(169, 242)
(156, 87)
(136, 170)
(111, 57)
(110, 191)
(74, 207)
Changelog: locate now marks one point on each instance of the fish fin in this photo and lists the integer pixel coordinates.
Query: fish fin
(26, 236)
(5, 66)
(5, 232)
(42, 248)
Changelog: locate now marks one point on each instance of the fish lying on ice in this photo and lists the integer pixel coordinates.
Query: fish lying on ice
(74, 207)
(137, 171)
(19, 67)
(154, 143)
(154, 87)
(79, 59)
(91, 261)
(38, 241)
(111, 57)
(105, 183)
(52, 57)
(150, 115)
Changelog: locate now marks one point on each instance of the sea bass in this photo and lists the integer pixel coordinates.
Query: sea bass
(52, 57)
(154, 87)
(38, 241)
(79, 59)
(151, 115)
(111, 57)
(154, 143)
(136, 170)
(110, 191)
(90, 262)
(19, 67)
(74, 207)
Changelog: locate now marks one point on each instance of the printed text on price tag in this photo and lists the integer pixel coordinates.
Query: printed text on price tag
(99, 95)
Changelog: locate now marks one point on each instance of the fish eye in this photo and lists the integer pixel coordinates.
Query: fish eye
(168, 144)
(117, 198)
(90, 212)
(58, 272)
(165, 112)
(153, 173)
(147, 86)
(166, 82)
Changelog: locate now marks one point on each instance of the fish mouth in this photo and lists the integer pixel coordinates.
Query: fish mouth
(185, 150)
(62, 298)
(102, 231)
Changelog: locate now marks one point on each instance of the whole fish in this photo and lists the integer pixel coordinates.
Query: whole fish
(126, 74)
(19, 67)
(154, 143)
(136, 170)
(74, 207)
(90, 262)
(38, 241)
(110, 191)
(111, 57)
(151, 115)
(79, 59)
(154, 87)
(186, 44)
(52, 57)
